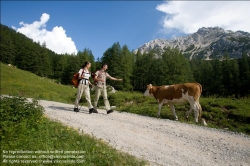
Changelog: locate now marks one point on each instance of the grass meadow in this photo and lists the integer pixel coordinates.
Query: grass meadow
(25, 127)
(222, 113)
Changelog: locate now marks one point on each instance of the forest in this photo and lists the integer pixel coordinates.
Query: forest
(226, 78)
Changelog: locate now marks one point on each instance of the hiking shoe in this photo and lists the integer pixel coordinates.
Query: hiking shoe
(76, 110)
(92, 110)
(95, 111)
(109, 111)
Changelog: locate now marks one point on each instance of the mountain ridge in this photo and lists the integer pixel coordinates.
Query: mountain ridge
(206, 43)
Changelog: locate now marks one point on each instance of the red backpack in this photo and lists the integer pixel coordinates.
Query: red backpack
(75, 80)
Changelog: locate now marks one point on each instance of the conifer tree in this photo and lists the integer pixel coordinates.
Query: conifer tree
(127, 64)
(206, 70)
(112, 57)
(137, 78)
(244, 76)
(226, 76)
(216, 83)
(177, 68)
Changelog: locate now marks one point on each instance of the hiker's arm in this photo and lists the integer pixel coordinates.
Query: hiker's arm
(115, 79)
(90, 83)
(112, 78)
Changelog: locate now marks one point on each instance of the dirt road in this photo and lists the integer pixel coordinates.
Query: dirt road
(160, 141)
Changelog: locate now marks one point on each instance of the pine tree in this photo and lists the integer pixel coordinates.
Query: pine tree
(206, 70)
(112, 57)
(137, 78)
(45, 61)
(6, 46)
(60, 67)
(177, 68)
(72, 67)
(244, 77)
(127, 64)
(229, 69)
(216, 84)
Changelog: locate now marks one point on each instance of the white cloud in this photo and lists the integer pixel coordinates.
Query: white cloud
(189, 16)
(56, 40)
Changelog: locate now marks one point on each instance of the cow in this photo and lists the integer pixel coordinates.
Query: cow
(178, 94)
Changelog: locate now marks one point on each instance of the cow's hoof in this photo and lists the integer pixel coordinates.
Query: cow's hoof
(204, 122)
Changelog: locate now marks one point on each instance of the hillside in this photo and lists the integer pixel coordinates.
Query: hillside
(23, 83)
(206, 43)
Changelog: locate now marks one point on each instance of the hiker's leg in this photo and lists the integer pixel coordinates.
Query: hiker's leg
(79, 95)
(105, 98)
(87, 96)
(97, 95)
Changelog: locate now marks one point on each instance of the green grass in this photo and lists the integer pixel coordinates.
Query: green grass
(230, 113)
(223, 113)
(23, 83)
(24, 126)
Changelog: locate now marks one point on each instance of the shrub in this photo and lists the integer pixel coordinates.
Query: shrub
(24, 127)
(17, 113)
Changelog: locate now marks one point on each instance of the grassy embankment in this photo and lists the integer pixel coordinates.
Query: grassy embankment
(223, 113)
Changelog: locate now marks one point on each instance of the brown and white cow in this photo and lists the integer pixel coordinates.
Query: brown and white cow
(177, 94)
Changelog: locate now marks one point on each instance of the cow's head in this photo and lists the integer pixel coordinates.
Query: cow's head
(148, 91)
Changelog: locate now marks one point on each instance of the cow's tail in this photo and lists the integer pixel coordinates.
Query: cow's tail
(200, 88)
(200, 108)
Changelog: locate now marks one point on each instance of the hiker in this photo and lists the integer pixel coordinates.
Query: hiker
(100, 88)
(83, 86)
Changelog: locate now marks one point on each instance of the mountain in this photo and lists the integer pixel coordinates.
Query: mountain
(206, 43)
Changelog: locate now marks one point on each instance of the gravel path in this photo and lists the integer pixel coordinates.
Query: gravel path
(160, 141)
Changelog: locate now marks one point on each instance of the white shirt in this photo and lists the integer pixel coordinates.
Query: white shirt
(86, 75)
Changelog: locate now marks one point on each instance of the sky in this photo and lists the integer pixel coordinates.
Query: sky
(72, 26)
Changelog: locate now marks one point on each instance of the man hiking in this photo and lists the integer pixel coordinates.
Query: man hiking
(101, 89)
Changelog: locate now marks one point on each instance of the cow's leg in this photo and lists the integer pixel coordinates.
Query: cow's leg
(199, 115)
(173, 111)
(188, 112)
(196, 108)
(159, 109)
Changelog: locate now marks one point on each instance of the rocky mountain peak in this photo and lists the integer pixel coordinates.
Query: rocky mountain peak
(206, 43)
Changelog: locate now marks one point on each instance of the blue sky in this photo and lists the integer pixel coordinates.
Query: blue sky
(70, 26)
